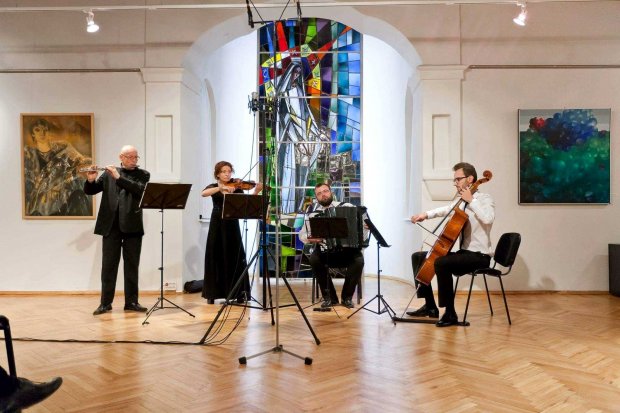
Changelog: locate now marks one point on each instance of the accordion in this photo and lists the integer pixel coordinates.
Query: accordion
(355, 227)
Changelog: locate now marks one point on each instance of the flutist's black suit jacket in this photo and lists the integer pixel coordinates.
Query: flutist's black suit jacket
(122, 195)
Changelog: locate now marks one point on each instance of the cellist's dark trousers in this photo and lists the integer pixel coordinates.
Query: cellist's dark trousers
(424, 291)
(458, 263)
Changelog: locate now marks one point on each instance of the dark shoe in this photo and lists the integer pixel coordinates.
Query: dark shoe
(448, 319)
(327, 303)
(135, 307)
(28, 393)
(425, 311)
(210, 301)
(102, 309)
(348, 303)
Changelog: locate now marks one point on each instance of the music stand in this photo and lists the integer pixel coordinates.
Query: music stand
(328, 228)
(242, 206)
(164, 196)
(381, 242)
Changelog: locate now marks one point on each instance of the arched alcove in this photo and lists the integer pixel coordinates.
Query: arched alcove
(391, 145)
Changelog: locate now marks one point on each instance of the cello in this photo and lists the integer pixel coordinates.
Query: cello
(449, 235)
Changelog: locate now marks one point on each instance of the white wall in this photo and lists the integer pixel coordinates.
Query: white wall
(68, 255)
(59, 255)
(387, 144)
(564, 247)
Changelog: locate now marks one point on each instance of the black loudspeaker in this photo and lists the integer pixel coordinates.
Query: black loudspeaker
(614, 269)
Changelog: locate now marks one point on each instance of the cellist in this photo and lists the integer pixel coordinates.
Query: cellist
(475, 246)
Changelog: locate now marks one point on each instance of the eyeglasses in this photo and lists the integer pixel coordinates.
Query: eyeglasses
(458, 179)
(136, 157)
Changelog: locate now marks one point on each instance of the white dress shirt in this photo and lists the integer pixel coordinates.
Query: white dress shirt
(476, 235)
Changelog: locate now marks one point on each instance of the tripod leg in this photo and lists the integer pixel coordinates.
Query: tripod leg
(152, 310)
(273, 320)
(217, 317)
(301, 310)
(180, 308)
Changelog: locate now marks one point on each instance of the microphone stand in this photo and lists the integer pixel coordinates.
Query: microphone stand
(277, 348)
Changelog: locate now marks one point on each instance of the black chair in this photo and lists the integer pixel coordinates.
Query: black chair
(4, 325)
(505, 255)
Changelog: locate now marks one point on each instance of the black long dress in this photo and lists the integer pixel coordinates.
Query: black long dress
(224, 256)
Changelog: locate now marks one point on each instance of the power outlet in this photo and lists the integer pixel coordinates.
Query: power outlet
(170, 286)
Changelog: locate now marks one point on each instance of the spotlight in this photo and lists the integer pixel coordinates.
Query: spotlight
(522, 17)
(91, 26)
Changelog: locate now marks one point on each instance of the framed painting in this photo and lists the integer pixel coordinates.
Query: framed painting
(54, 149)
(564, 156)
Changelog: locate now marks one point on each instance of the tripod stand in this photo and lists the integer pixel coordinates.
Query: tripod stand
(164, 196)
(379, 297)
(248, 207)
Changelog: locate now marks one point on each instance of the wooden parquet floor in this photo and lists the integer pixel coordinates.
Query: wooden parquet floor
(562, 354)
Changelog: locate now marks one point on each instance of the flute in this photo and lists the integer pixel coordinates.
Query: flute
(91, 169)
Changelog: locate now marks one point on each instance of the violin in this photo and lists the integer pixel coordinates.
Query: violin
(240, 184)
(449, 235)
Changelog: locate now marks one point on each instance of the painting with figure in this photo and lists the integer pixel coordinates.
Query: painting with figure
(54, 148)
(564, 156)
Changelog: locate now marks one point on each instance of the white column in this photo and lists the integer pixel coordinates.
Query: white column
(441, 127)
(162, 157)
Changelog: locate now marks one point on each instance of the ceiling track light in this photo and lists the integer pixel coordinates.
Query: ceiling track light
(521, 19)
(91, 26)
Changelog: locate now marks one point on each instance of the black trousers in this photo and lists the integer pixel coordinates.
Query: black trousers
(351, 258)
(424, 291)
(131, 246)
(457, 263)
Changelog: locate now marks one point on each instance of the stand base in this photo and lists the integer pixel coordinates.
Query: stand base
(425, 321)
(386, 307)
(155, 308)
(277, 349)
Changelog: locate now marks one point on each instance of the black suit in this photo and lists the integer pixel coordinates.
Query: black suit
(120, 223)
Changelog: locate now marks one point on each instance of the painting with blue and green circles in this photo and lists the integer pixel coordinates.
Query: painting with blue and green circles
(564, 156)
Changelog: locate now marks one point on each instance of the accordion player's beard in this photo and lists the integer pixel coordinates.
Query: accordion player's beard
(326, 202)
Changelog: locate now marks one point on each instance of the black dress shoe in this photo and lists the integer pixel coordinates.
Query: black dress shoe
(328, 303)
(103, 309)
(348, 303)
(28, 393)
(135, 307)
(425, 311)
(210, 301)
(448, 319)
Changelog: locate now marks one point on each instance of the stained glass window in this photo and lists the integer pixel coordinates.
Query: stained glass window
(310, 86)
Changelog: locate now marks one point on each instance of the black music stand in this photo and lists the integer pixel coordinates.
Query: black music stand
(381, 242)
(242, 206)
(328, 228)
(164, 196)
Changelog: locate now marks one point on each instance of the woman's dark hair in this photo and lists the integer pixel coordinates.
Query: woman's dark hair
(39, 122)
(219, 166)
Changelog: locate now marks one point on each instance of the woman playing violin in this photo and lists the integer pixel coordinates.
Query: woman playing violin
(475, 251)
(225, 256)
